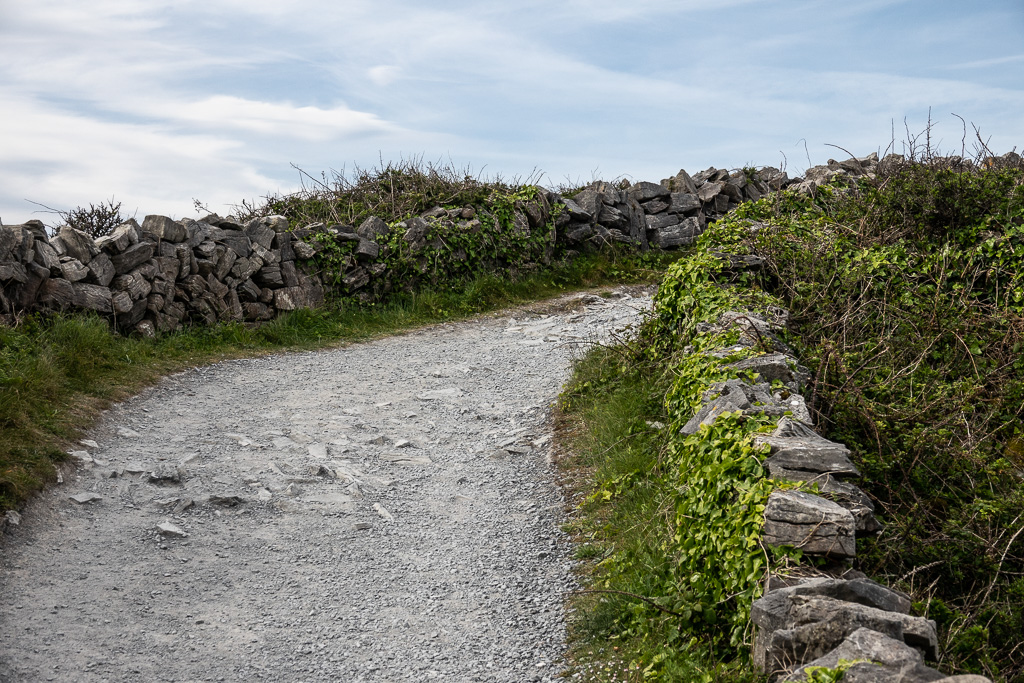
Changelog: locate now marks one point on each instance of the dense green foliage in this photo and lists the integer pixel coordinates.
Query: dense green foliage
(906, 302)
(453, 252)
(682, 594)
(57, 372)
(392, 192)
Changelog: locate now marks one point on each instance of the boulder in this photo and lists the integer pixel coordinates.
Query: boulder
(589, 201)
(662, 221)
(101, 269)
(681, 183)
(610, 217)
(769, 367)
(236, 240)
(683, 202)
(289, 298)
(268, 276)
(78, 244)
(575, 211)
(367, 250)
(645, 192)
(225, 258)
(259, 234)
(678, 235)
(132, 257)
(10, 240)
(163, 228)
(580, 234)
(772, 611)
(47, 257)
(121, 302)
(72, 269)
(92, 297)
(816, 455)
(880, 659)
(373, 229)
(267, 256)
(279, 224)
(655, 206)
(709, 190)
(289, 274)
(13, 271)
(809, 523)
(356, 279)
(25, 293)
(637, 223)
(56, 293)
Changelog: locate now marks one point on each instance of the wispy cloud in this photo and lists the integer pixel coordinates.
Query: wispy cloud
(985, 63)
(157, 101)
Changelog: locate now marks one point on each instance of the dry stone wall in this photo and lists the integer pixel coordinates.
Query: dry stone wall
(823, 613)
(162, 274)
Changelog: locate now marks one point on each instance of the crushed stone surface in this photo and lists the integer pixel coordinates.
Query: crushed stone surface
(385, 511)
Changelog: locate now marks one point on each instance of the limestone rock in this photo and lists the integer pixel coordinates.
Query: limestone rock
(372, 229)
(809, 523)
(169, 530)
(72, 270)
(79, 245)
(92, 297)
(86, 497)
(887, 661)
(815, 455)
(644, 191)
(57, 293)
(678, 235)
(575, 211)
(132, 257)
(163, 228)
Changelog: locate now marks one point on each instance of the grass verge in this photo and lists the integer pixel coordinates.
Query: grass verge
(57, 373)
(642, 615)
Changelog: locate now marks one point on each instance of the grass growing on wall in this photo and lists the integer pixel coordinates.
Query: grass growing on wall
(57, 372)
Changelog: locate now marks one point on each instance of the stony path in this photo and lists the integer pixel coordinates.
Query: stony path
(382, 512)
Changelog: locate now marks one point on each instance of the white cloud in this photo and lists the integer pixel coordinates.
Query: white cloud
(312, 124)
(164, 101)
(383, 75)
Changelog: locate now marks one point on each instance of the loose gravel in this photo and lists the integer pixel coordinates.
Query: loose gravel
(381, 512)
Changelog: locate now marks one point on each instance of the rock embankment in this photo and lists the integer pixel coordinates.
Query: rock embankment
(161, 274)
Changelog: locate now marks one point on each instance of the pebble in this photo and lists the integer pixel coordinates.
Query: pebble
(87, 497)
(170, 530)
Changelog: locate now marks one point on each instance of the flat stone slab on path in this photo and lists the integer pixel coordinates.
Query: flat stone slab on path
(341, 558)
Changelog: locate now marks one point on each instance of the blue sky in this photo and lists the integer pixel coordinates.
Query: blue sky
(156, 103)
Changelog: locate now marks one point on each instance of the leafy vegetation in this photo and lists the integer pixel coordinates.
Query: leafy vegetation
(906, 303)
(906, 300)
(393, 192)
(675, 596)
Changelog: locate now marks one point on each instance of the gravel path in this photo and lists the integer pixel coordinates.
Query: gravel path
(381, 512)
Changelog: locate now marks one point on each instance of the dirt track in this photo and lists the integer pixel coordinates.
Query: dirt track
(381, 512)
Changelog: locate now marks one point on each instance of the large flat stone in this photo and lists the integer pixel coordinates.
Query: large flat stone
(881, 659)
(816, 455)
(163, 228)
(815, 625)
(809, 523)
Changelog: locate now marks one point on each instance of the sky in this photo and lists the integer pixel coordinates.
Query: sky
(159, 104)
